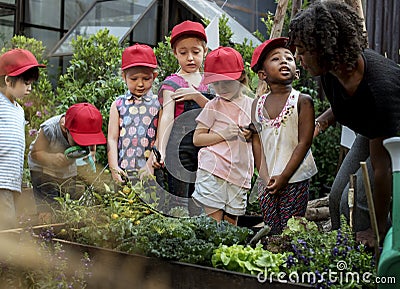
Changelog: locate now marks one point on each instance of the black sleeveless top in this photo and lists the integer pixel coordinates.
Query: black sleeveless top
(374, 109)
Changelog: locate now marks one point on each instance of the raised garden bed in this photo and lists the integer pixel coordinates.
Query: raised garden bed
(118, 270)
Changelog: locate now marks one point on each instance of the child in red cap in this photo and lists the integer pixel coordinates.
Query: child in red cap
(52, 172)
(225, 160)
(18, 69)
(131, 134)
(182, 94)
(284, 118)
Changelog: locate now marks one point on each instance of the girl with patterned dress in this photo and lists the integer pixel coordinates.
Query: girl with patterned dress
(130, 131)
(284, 118)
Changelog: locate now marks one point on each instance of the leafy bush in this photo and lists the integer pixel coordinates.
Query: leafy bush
(93, 76)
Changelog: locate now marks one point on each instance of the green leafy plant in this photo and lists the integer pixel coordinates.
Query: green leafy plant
(305, 255)
(93, 76)
(245, 259)
(123, 221)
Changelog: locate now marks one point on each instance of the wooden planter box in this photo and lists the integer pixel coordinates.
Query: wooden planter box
(118, 270)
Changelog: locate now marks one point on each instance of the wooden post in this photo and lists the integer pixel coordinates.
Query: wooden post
(357, 5)
(165, 19)
(279, 18)
(296, 6)
(371, 208)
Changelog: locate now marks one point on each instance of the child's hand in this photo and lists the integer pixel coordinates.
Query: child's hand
(276, 183)
(148, 170)
(247, 133)
(231, 131)
(117, 174)
(185, 93)
(59, 160)
(156, 159)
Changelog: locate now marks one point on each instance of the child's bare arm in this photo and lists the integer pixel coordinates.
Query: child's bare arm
(305, 136)
(112, 143)
(41, 153)
(259, 158)
(165, 122)
(190, 93)
(203, 136)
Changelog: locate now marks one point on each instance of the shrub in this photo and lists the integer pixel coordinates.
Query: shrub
(93, 76)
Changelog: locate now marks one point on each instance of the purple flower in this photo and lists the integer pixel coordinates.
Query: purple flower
(33, 132)
(39, 114)
(28, 103)
(290, 261)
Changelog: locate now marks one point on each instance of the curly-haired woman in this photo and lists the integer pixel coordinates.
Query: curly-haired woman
(363, 88)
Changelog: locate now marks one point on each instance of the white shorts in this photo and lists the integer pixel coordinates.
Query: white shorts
(214, 192)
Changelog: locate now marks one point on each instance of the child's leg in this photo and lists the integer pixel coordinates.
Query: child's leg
(293, 201)
(216, 214)
(270, 209)
(8, 216)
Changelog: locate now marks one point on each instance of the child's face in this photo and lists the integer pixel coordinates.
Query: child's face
(19, 89)
(190, 53)
(139, 79)
(279, 67)
(70, 139)
(227, 89)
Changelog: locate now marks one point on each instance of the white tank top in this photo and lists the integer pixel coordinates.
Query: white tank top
(279, 137)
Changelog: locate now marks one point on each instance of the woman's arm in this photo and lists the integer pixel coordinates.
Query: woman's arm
(322, 122)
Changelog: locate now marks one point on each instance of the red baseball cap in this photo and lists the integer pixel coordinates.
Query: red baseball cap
(261, 51)
(223, 63)
(17, 61)
(138, 55)
(84, 123)
(188, 28)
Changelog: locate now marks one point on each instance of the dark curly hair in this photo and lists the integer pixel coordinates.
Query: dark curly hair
(331, 29)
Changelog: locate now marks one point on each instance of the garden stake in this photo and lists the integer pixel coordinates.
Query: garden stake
(371, 208)
(352, 200)
(16, 230)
